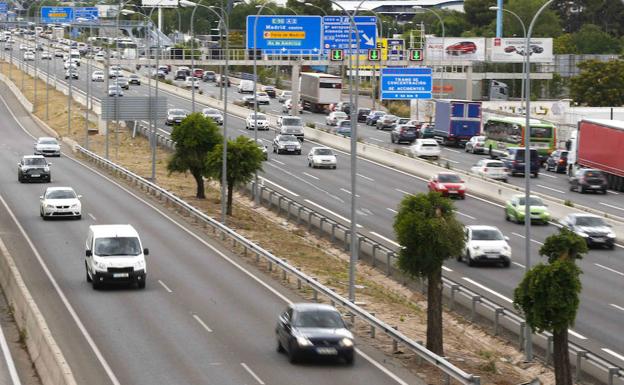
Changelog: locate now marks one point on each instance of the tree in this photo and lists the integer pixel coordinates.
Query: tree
(547, 25)
(427, 229)
(244, 158)
(478, 13)
(564, 44)
(549, 295)
(592, 40)
(599, 84)
(195, 137)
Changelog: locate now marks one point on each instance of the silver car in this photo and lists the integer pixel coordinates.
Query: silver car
(286, 143)
(47, 146)
(213, 114)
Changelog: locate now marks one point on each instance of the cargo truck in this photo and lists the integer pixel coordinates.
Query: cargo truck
(599, 144)
(318, 90)
(456, 121)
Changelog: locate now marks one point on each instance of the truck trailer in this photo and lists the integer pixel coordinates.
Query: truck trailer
(456, 121)
(599, 144)
(319, 90)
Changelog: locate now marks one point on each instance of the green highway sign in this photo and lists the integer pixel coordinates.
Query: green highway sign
(336, 55)
(374, 54)
(416, 55)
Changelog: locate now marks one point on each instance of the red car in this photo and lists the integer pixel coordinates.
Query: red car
(448, 184)
(461, 48)
(198, 72)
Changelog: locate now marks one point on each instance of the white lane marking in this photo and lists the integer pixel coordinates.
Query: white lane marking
(466, 215)
(609, 269)
(455, 151)
(312, 185)
(551, 189)
(365, 177)
(385, 239)
(311, 176)
(283, 188)
(613, 192)
(278, 162)
(449, 160)
(575, 334)
(519, 264)
(202, 323)
(244, 132)
(380, 367)
(499, 295)
(376, 140)
(92, 217)
(348, 192)
(523, 237)
(391, 210)
(617, 307)
(613, 207)
(446, 269)
(331, 212)
(7, 354)
(254, 375)
(614, 354)
(548, 175)
(165, 286)
(403, 191)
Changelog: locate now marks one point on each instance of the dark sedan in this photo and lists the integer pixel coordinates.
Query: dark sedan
(557, 161)
(587, 179)
(404, 133)
(314, 330)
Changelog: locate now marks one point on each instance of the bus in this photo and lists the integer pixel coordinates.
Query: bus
(503, 132)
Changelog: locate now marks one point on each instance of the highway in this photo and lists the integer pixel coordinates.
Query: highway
(203, 317)
(380, 189)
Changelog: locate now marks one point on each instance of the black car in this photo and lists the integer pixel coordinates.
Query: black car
(514, 161)
(588, 179)
(363, 114)
(557, 161)
(33, 167)
(314, 330)
(344, 107)
(403, 133)
(270, 90)
(372, 118)
(426, 131)
(209, 76)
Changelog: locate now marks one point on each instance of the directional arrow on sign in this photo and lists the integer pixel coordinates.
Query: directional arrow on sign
(368, 40)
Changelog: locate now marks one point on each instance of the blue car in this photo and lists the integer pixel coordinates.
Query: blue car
(514, 161)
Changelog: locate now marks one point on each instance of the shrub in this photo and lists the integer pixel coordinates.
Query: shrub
(568, 203)
(399, 109)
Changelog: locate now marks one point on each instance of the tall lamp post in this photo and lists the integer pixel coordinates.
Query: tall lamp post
(527, 165)
(419, 8)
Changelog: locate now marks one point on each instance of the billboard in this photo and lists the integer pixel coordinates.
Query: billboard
(455, 48)
(57, 14)
(160, 3)
(511, 50)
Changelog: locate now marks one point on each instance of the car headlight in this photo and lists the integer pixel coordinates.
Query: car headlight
(346, 342)
(476, 247)
(280, 145)
(49, 206)
(140, 264)
(75, 206)
(303, 341)
(99, 265)
(582, 234)
(46, 168)
(611, 235)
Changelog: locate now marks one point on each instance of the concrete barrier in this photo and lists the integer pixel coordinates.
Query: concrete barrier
(18, 94)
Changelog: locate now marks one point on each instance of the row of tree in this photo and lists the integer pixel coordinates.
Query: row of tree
(548, 296)
(199, 149)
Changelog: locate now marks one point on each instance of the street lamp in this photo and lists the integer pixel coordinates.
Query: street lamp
(419, 8)
(317, 7)
(88, 80)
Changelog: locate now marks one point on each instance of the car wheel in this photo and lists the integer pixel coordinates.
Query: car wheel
(274, 150)
(506, 263)
(87, 273)
(459, 257)
(349, 358)
(582, 190)
(535, 174)
(571, 187)
(507, 218)
(19, 178)
(469, 260)
(292, 355)
(78, 217)
(95, 284)
(141, 283)
(604, 192)
(309, 164)
(280, 348)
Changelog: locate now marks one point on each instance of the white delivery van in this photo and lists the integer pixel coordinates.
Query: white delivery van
(113, 253)
(246, 86)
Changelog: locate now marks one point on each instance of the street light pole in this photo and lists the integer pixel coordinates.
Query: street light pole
(417, 7)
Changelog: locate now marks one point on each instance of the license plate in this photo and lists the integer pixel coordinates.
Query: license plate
(596, 186)
(492, 256)
(598, 239)
(120, 275)
(291, 149)
(327, 351)
(452, 192)
(35, 175)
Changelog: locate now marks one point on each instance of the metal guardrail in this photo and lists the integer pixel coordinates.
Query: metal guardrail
(449, 370)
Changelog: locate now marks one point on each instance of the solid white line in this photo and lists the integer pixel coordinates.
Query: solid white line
(519, 264)
(376, 140)
(311, 176)
(278, 162)
(403, 191)
(365, 177)
(614, 354)
(548, 175)
(449, 160)
(391, 210)
(551, 189)
(446, 269)
(610, 269)
(617, 307)
(9, 359)
(466, 215)
(575, 334)
(385, 239)
(331, 212)
(523, 237)
(380, 367)
(613, 192)
(92, 216)
(252, 373)
(348, 192)
(165, 286)
(613, 207)
(283, 188)
(455, 151)
(199, 320)
(487, 289)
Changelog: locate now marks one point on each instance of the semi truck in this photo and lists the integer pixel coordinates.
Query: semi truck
(599, 144)
(456, 121)
(318, 90)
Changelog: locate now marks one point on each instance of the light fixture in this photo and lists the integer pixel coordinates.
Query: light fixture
(493, 8)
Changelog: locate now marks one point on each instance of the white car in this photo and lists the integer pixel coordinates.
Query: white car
(97, 76)
(426, 148)
(99, 57)
(287, 106)
(284, 96)
(23, 47)
(115, 90)
(60, 202)
(263, 97)
(46, 55)
(213, 114)
(29, 56)
(487, 245)
(71, 73)
(175, 116)
(261, 119)
(58, 53)
(334, 117)
(191, 81)
(69, 63)
(490, 168)
(47, 146)
(321, 157)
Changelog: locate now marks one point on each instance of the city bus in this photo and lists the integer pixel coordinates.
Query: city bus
(503, 132)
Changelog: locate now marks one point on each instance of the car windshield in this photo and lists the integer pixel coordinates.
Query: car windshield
(258, 117)
(287, 138)
(345, 123)
(48, 141)
(594, 174)
(428, 144)
(318, 319)
(533, 201)
(479, 139)
(117, 246)
(323, 151)
(35, 161)
(60, 194)
(340, 114)
(449, 178)
(379, 113)
(487, 235)
(211, 111)
(494, 164)
(291, 122)
(177, 112)
(589, 221)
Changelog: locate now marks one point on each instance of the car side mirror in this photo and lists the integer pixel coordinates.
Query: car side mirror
(79, 196)
(88, 253)
(146, 251)
(507, 238)
(40, 196)
(49, 163)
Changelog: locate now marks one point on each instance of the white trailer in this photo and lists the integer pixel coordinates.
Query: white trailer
(319, 90)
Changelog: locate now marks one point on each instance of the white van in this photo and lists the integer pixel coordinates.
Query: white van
(246, 86)
(113, 253)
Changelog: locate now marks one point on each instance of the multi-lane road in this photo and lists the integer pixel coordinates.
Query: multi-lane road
(380, 189)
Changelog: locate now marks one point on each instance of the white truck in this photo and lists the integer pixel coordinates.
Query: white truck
(319, 90)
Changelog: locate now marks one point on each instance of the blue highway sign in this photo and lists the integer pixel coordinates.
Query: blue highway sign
(88, 13)
(285, 34)
(336, 32)
(57, 14)
(406, 83)
(4, 8)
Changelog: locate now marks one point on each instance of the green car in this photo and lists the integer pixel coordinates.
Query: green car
(514, 210)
